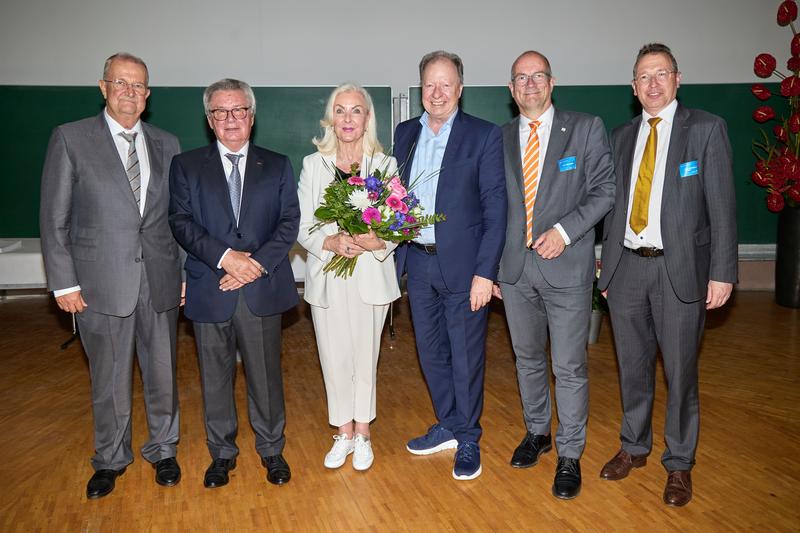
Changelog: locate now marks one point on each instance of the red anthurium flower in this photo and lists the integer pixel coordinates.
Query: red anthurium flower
(762, 165)
(787, 12)
(794, 193)
(760, 91)
(780, 133)
(796, 45)
(761, 179)
(794, 123)
(763, 114)
(790, 86)
(775, 202)
(793, 64)
(764, 65)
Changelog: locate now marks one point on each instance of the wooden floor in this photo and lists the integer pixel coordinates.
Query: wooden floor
(747, 475)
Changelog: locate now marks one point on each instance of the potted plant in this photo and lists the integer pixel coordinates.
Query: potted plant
(777, 167)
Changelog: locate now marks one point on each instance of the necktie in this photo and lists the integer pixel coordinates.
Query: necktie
(530, 175)
(235, 184)
(644, 181)
(132, 166)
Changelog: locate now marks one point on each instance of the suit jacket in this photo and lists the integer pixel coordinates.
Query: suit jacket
(374, 272)
(471, 193)
(203, 222)
(92, 232)
(575, 196)
(698, 213)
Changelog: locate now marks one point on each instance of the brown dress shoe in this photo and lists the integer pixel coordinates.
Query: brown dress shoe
(678, 491)
(621, 464)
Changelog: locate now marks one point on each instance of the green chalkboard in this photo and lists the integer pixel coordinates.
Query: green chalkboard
(286, 120)
(615, 104)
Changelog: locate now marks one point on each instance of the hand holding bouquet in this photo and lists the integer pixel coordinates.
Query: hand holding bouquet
(379, 203)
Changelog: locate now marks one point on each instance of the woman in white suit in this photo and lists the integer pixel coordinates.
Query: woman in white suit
(348, 313)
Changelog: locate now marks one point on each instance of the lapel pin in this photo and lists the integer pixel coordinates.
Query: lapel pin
(563, 129)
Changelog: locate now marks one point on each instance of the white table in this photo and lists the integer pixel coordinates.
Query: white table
(22, 268)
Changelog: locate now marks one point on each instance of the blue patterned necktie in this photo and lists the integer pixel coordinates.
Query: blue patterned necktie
(235, 185)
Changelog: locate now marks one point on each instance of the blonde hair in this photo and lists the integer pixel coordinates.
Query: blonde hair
(328, 143)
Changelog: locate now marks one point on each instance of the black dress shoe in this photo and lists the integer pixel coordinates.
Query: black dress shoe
(567, 483)
(102, 483)
(168, 472)
(217, 473)
(528, 452)
(278, 472)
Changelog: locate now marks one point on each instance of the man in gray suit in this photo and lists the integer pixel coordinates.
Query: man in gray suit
(669, 254)
(110, 258)
(560, 183)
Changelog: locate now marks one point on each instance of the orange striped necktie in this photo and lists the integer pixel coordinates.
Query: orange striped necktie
(644, 180)
(530, 175)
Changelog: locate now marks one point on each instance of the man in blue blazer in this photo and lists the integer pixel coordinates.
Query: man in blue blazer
(669, 254)
(234, 209)
(454, 163)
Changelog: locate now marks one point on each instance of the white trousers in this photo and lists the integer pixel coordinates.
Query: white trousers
(349, 339)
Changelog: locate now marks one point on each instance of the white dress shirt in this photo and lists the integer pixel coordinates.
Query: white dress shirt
(545, 125)
(650, 237)
(227, 166)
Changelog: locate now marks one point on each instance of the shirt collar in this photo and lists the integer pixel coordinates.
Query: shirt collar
(545, 120)
(223, 150)
(666, 115)
(116, 128)
(425, 118)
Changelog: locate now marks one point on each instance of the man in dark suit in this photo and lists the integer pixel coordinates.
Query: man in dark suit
(111, 259)
(560, 182)
(234, 209)
(456, 161)
(669, 254)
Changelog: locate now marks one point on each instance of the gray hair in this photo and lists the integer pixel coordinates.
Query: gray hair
(540, 55)
(328, 144)
(655, 48)
(442, 55)
(125, 56)
(229, 84)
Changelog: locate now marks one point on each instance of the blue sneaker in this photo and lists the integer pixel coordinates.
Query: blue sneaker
(435, 440)
(468, 461)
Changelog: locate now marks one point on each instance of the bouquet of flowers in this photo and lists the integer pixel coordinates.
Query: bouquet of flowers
(380, 202)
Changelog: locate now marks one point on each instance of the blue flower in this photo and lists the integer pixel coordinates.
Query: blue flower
(400, 217)
(373, 183)
(395, 226)
(411, 200)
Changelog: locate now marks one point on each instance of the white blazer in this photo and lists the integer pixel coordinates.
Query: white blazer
(375, 271)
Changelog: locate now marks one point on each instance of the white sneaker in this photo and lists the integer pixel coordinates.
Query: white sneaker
(342, 447)
(363, 456)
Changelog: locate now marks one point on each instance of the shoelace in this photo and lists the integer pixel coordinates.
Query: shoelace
(341, 442)
(466, 452)
(567, 466)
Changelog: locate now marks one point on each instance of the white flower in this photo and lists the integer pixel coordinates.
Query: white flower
(359, 199)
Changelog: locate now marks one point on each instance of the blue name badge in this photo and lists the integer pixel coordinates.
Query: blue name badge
(568, 163)
(690, 168)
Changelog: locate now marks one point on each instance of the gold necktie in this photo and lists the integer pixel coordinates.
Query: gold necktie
(530, 182)
(644, 182)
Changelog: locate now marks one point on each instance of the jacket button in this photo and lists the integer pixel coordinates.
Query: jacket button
(141, 230)
(239, 235)
(138, 260)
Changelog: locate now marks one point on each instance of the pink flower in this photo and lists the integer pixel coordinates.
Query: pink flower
(397, 187)
(396, 203)
(355, 180)
(371, 216)
(372, 195)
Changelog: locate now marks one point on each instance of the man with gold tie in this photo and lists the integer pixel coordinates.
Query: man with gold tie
(560, 183)
(669, 254)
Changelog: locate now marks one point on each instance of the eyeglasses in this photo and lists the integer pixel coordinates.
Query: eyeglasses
(660, 76)
(537, 77)
(221, 115)
(123, 86)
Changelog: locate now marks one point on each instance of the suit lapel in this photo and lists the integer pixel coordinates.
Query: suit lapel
(213, 176)
(559, 133)
(252, 175)
(511, 143)
(628, 146)
(450, 157)
(111, 160)
(677, 147)
(154, 153)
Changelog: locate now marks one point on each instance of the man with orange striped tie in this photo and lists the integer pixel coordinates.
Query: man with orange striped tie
(560, 183)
